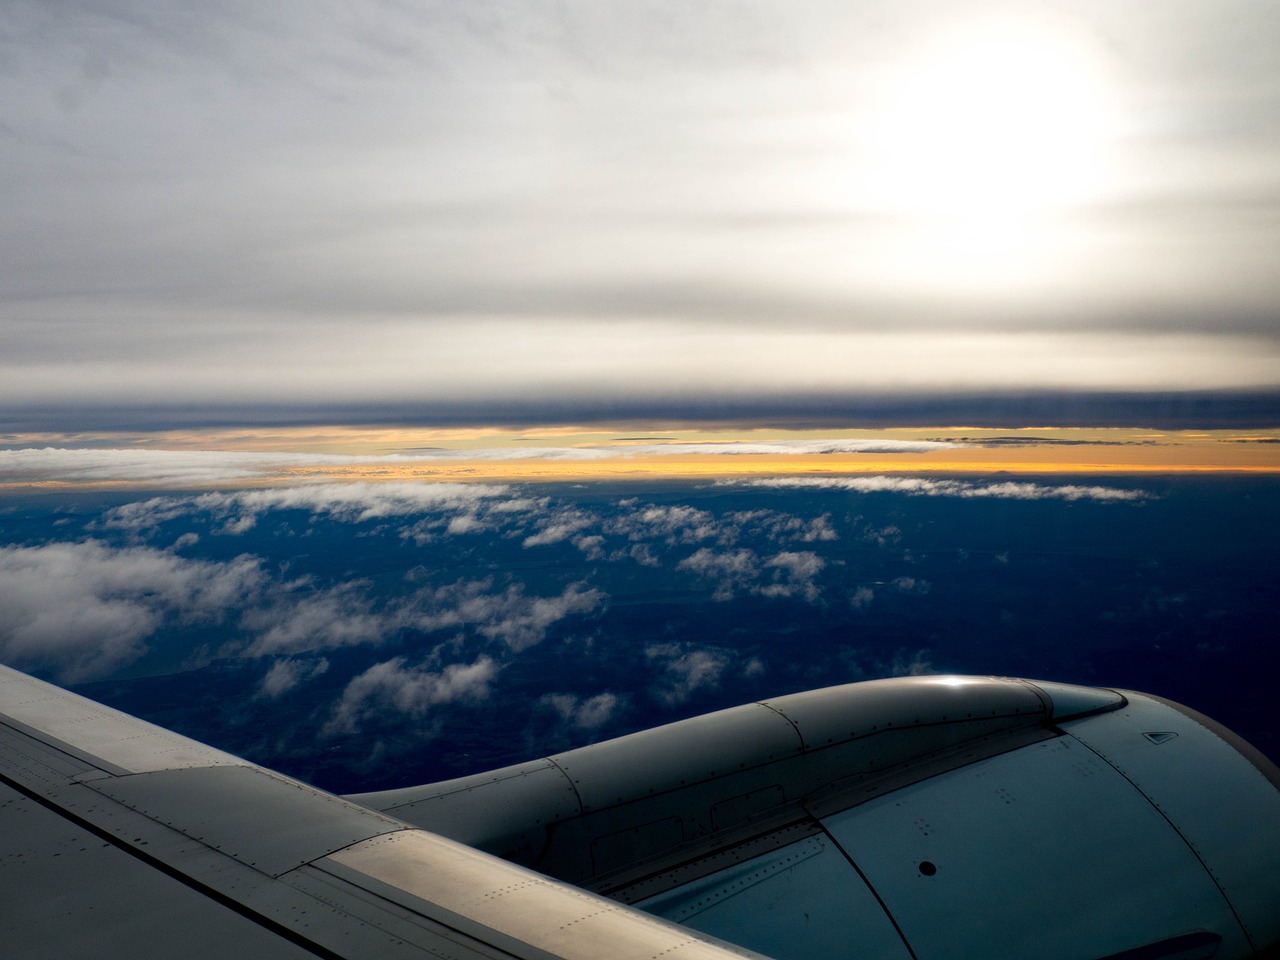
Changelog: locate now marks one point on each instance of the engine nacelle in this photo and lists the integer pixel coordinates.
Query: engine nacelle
(925, 817)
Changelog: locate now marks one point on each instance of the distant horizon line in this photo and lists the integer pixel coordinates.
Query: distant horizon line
(1167, 410)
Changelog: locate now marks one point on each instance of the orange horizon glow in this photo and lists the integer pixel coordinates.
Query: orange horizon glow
(641, 453)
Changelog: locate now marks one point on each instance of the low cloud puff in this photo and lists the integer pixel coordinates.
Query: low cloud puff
(870, 663)
(786, 574)
(671, 524)
(686, 672)
(785, 526)
(583, 713)
(563, 525)
(302, 618)
(80, 610)
(286, 675)
(393, 690)
(794, 575)
(649, 530)
(490, 511)
(508, 615)
(732, 571)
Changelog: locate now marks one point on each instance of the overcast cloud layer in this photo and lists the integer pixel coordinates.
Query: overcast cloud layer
(500, 204)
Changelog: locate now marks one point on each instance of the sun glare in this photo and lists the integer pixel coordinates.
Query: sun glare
(989, 132)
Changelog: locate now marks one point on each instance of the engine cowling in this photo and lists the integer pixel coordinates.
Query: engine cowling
(926, 817)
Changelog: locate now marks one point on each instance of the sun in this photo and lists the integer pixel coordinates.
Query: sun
(998, 125)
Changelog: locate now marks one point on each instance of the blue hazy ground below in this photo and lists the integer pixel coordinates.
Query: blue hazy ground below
(413, 643)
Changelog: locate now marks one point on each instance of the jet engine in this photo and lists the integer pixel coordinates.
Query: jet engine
(922, 818)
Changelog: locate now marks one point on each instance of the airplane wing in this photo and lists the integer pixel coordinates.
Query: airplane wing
(916, 818)
(119, 839)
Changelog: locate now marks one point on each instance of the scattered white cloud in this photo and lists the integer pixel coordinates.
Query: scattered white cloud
(509, 616)
(299, 618)
(881, 536)
(862, 597)
(649, 525)
(465, 523)
(686, 672)
(484, 515)
(671, 524)
(392, 690)
(144, 514)
(786, 574)
(910, 585)
(641, 553)
(237, 526)
(786, 527)
(871, 663)
(733, 571)
(589, 713)
(592, 546)
(286, 675)
(80, 610)
(560, 527)
(797, 570)
(240, 510)
(917, 664)
(1035, 491)
(355, 502)
(928, 487)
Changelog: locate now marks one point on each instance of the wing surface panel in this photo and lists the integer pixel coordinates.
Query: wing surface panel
(257, 818)
(54, 874)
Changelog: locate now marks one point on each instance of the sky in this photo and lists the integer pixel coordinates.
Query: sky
(563, 212)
